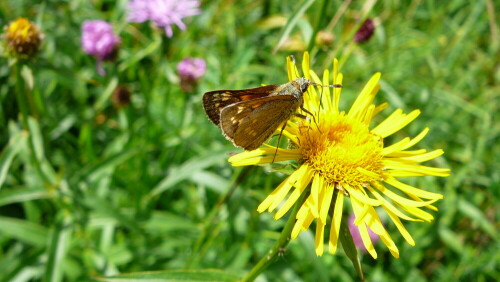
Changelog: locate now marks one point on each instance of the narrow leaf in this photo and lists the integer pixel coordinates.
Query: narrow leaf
(25, 231)
(20, 195)
(16, 142)
(175, 275)
(350, 248)
(292, 22)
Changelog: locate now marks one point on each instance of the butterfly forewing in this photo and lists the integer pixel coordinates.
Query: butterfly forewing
(249, 123)
(215, 101)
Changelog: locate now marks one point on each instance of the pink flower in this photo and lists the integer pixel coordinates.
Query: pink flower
(99, 41)
(192, 67)
(163, 13)
(190, 70)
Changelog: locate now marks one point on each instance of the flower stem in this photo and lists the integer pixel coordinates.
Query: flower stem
(282, 242)
(21, 98)
(319, 23)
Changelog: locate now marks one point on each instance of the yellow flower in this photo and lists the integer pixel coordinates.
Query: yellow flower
(23, 38)
(344, 158)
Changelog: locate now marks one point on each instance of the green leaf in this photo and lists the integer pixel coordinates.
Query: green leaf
(27, 75)
(105, 96)
(57, 249)
(186, 170)
(36, 137)
(175, 275)
(140, 54)
(39, 151)
(103, 207)
(25, 231)
(477, 216)
(451, 239)
(16, 142)
(96, 171)
(63, 126)
(22, 195)
(350, 248)
(166, 222)
(211, 180)
(292, 22)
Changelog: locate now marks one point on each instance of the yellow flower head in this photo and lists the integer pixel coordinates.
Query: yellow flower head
(23, 38)
(342, 157)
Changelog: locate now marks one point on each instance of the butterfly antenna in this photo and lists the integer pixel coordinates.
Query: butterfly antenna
(321, 95)
(292, 57)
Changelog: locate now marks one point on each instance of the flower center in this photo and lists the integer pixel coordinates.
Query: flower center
(342, 150)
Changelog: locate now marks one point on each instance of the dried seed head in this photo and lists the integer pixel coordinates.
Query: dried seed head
(23, 39)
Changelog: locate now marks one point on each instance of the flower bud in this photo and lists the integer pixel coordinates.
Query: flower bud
(121, 97)
(365, 32)
(23, 38)
(190, 70)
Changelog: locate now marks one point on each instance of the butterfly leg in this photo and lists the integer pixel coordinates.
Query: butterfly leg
(307, 118)
(278, 143)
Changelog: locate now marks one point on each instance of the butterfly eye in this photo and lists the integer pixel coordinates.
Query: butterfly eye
(303, 87)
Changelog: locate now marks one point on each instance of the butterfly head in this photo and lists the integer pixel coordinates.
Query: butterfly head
(303, 84)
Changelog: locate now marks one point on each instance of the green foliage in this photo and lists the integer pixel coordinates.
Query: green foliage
(90, 190)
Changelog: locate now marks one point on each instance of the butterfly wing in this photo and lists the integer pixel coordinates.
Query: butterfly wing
(215, 101)
(249, 123)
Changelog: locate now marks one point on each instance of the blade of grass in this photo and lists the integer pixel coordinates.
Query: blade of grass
(57, 249)
(292, 22)
(25, 231)
(22, 195)
(16, 142)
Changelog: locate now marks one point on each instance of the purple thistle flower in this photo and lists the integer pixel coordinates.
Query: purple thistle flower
(163, 13)
(99, 41)
(192, 67)
(190, 70)
(356, 236)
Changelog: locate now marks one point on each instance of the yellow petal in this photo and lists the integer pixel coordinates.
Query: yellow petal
(319, 238)
(395, 122)
(326, 202)
(401, 200)
(388, 206)
(365, 237)
(365, 98)
(296, 179)
(354, 192)
(401, 228)
(410, 190)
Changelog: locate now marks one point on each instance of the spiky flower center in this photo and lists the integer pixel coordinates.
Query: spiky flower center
(342, 150)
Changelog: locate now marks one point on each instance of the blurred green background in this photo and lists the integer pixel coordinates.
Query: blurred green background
(96, 190)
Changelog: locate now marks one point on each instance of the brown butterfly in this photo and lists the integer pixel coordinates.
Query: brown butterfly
(248, 117)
